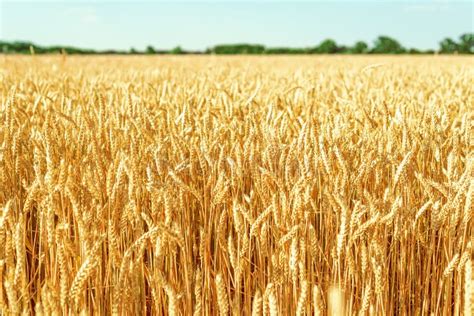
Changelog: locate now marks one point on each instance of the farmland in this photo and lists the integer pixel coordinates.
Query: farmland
(213, 185)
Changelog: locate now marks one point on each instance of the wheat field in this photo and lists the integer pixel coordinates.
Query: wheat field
(205, 185)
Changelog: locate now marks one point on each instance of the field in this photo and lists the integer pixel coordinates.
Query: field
(213, 185)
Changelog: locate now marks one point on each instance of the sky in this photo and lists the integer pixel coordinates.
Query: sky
(196, 25)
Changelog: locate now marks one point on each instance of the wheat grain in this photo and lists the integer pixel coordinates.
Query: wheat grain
(222, 299)
(300, 307)
(257, 304)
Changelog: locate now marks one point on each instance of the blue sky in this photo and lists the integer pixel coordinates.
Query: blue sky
(196, 25)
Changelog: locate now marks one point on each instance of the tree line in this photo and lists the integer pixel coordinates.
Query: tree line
(382, 45)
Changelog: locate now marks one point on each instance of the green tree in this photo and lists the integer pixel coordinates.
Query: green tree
(343, 49)
(150, 50)
(387, 45)
(359, 48)
(285, 50)
(414, 51)
(238, 49)
(327, 46)
(177, 50)
(466, 43)
(448, 46)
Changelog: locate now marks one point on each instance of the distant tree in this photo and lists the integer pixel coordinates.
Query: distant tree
(448, 46)
(150, 50)
(414, 51)
(466, 43)
(387, 45)
(382, 45)
(359, 48)
(177, 50)
(238, 49)
(343, 49)
(327, 46)
(285, 50)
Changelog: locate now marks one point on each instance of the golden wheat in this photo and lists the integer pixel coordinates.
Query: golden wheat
(213, 185)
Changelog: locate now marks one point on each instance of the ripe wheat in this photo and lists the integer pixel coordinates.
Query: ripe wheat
(244, 185)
